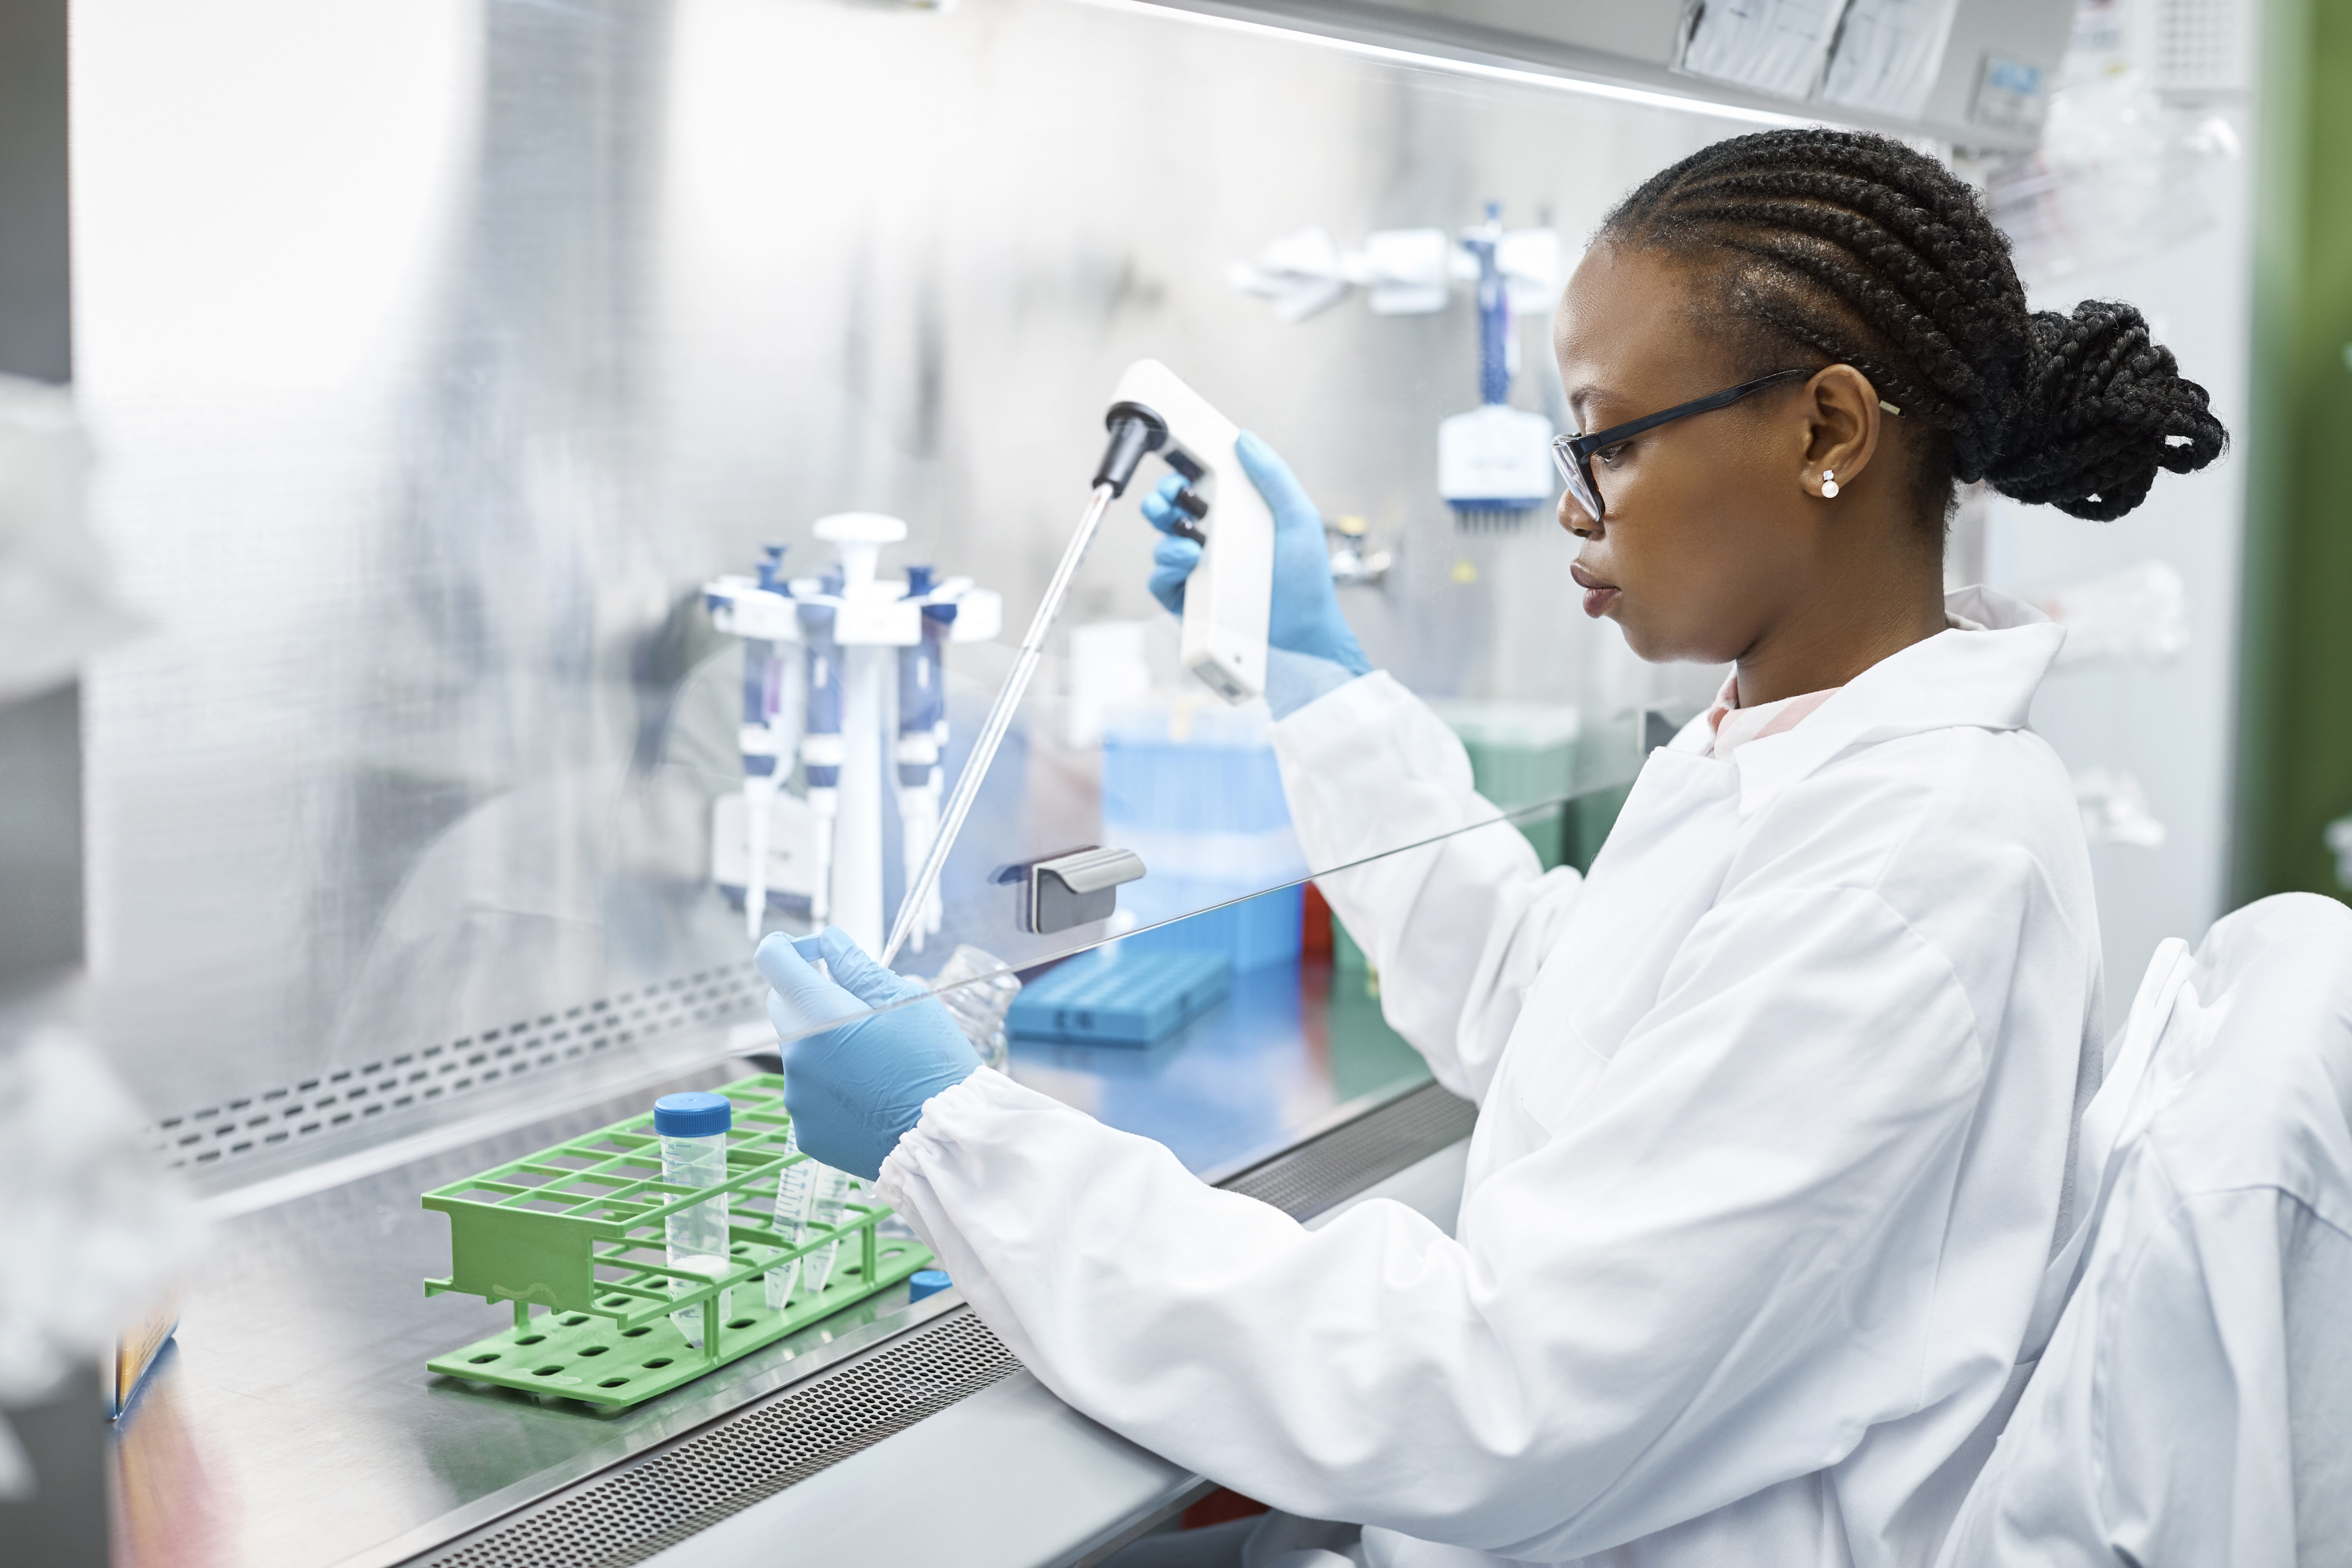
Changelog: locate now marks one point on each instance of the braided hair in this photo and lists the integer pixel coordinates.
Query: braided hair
(1851, 249)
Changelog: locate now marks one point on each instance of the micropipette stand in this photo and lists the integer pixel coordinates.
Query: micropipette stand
(758, 610)
(857, 622)
(1227, 599)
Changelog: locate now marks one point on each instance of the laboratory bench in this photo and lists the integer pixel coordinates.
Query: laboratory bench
(292, 1423)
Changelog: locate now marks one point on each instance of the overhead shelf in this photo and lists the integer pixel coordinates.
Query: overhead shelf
(1998, 61)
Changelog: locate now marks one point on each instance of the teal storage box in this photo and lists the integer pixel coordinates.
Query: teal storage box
(1112, 997)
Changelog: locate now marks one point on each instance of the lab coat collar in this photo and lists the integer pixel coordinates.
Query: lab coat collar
(1982, 679)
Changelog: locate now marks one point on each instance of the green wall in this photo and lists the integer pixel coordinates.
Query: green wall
(2294, 764)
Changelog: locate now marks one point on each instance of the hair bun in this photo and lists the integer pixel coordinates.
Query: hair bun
(2102, 406)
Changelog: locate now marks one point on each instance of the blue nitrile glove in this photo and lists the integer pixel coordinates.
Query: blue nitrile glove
(1306, 623)
(855, 1091)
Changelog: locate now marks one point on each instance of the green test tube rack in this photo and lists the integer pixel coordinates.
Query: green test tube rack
(578, 1229)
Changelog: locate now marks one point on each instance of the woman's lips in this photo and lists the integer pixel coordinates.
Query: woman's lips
(1598, 596)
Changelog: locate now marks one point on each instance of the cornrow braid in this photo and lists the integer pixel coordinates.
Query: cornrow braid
(1855, 249)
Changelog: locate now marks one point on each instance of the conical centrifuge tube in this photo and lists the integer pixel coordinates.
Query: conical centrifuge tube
(795, 1191)
(693, 1132)
(828, 1208)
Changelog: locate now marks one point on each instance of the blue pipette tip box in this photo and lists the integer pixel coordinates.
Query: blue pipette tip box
(1119, 998)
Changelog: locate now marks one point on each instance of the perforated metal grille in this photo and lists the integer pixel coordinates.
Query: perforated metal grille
(1349, 1158)
(629, 1514)
(338, 1099)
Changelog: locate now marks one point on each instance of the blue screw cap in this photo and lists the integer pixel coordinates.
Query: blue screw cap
(925, 1282)
(693, 1114)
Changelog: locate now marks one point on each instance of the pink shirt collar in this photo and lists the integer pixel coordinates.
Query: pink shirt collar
(1735, 726)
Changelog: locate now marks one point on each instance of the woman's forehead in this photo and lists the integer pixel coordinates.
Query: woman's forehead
(1626, 328)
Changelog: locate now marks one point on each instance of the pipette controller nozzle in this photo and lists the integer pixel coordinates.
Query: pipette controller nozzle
(1135, 432)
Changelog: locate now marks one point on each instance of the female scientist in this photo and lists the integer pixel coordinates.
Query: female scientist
(1775, 1105)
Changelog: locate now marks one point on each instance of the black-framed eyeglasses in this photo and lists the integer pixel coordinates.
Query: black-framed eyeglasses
(1573, 454)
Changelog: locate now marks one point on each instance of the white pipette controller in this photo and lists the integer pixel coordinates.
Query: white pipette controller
(1230, 595)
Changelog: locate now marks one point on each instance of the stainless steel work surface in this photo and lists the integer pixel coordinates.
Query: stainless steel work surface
(293, 1424)
(1010, 1478)
(1287, 1051)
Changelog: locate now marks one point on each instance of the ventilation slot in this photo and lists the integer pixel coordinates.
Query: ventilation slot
(658, 1500)
(344, 1099)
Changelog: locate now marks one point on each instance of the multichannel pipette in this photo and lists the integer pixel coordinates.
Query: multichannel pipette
(1494, 463)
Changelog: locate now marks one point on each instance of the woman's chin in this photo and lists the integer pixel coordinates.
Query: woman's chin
(1643, 641)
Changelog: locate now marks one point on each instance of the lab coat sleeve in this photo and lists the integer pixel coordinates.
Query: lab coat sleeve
(1457, 927)
(1715, 1277)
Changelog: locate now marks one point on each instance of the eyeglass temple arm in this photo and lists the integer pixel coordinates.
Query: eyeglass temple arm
(1585, 445)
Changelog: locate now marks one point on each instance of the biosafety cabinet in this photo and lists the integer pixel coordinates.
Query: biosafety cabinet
(572, 482)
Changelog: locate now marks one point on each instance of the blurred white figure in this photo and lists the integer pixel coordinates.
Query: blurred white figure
(2193, 1401)
(57, 604)
(92, 1230)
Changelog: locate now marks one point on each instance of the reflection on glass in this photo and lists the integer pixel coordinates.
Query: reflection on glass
(424, 430)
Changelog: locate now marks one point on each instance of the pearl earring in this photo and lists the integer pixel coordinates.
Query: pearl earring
(1829, 484)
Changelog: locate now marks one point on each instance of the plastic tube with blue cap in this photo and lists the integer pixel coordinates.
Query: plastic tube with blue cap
(693, 1132)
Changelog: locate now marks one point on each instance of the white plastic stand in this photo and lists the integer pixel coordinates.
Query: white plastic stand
(839, 867)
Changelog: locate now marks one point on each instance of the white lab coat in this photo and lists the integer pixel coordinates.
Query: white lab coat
(1774, 1127)
(2195, 1405)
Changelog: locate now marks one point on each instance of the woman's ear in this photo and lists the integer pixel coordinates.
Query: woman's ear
(1841, 414)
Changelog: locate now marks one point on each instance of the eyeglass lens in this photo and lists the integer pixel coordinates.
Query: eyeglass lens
(1572, 473)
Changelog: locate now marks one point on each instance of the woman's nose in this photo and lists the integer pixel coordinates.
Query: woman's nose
(1573, 518)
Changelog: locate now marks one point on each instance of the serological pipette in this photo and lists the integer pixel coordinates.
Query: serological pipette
(1134, 432)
